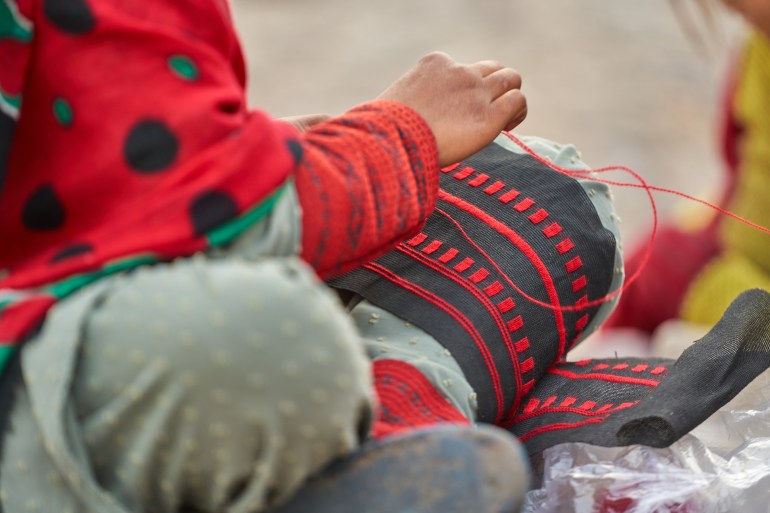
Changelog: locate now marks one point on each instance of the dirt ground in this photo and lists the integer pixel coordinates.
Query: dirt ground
(618, 79)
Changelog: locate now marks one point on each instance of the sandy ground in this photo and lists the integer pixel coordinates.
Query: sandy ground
(618, 79)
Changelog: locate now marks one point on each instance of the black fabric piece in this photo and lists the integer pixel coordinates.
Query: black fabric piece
(295, 147)
(706, 377)
(424, 280)
(7, 125)
(72, 250)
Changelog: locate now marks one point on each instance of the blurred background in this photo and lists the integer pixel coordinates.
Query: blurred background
(619, 79)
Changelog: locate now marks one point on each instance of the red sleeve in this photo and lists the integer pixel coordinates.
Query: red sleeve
(367, 180)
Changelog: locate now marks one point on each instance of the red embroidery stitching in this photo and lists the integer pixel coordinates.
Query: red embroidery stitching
(579, 284)
(605, 377)
(494, 289)
(574, 264)
(523, 205)
(564, 246)
(479, 180)
(509, 196)
(539, 216)
(495, 187)
(522, 345)
(527, 365)
(515, 324)
(417, 239)
(640, 368)
(464, 265)
(548, 402)
(449, 255)
(451, 168)
(506, 305)
(658, 370)
(479, 275)
(464, 173)
(581, 323)
(432, 247)
(552, 230)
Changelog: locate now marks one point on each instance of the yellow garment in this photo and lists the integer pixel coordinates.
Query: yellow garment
(745, 262)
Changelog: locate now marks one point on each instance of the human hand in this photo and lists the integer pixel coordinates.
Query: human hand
(756, 12)
(466, 105)
(306, 122)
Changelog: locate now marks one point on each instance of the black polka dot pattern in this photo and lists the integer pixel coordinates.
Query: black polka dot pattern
(295, 147)
(70, 16)
(71, 251)
(211, 209)
(150, 147)
(43, 211)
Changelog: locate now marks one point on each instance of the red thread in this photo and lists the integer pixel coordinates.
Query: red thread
(494, 289)
(523, 205)
(460, 318)
(569, 401)
(449, 255)
(506, 305)
(432, 247)
(579, 284)
(494, 188)
(640, 368)
(658, 370)
(479, 180)
(417, 239)
(604, 377)
(583, 363)
(464, 265)
(582, 322)
(539, 216)
(531, 405)
(620, 366)
(479, 275)
(574, 264)
(515, 324)
(605, 408)
(588, 405)
(451, 168)
(527, 387)
(564, 246)
(548, 402)
(527, 250)
(522, 345)
(552, 230)
(601, 366)
(560, 427)
(527, 365)
(464, 173)
(509, 196)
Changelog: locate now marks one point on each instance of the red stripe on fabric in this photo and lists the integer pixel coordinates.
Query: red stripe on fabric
(528, 386)
(449, 255)
(620, 366)
(515, 324)
(539, 216)
(417, 239)
(493, 290)
(522, 345)
(451, 168)
(658, 370)
(432, 247)
(464, 173)
(495, 187)
(582, 301)
(552, 230)
(548, 402)
(588, 405)
(527, 250)
(579, 284)
(605, 408)
(531, 405)
(604, 377)
(601, 366)
(582, 322)
(523, 205)
(527, 365)
(564, 246)
(408, 400)
(479, 180)
(509, 196)
(480, 275)
(574, 264)
(640, 368)
(506, 305)
(560, 409)
(583, 363)
(464, 265)
(458, 316)
(559, 427)
(569, 401)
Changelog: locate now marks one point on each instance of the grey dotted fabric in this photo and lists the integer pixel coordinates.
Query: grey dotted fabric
(213, 385)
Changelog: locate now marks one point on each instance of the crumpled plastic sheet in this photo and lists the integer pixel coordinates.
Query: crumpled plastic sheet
(723, 466)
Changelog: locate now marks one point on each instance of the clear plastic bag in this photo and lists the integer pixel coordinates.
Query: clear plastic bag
(723, 466)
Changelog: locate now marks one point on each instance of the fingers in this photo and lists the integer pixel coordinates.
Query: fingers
(502, 81)
(510, 109)
(485, 68)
